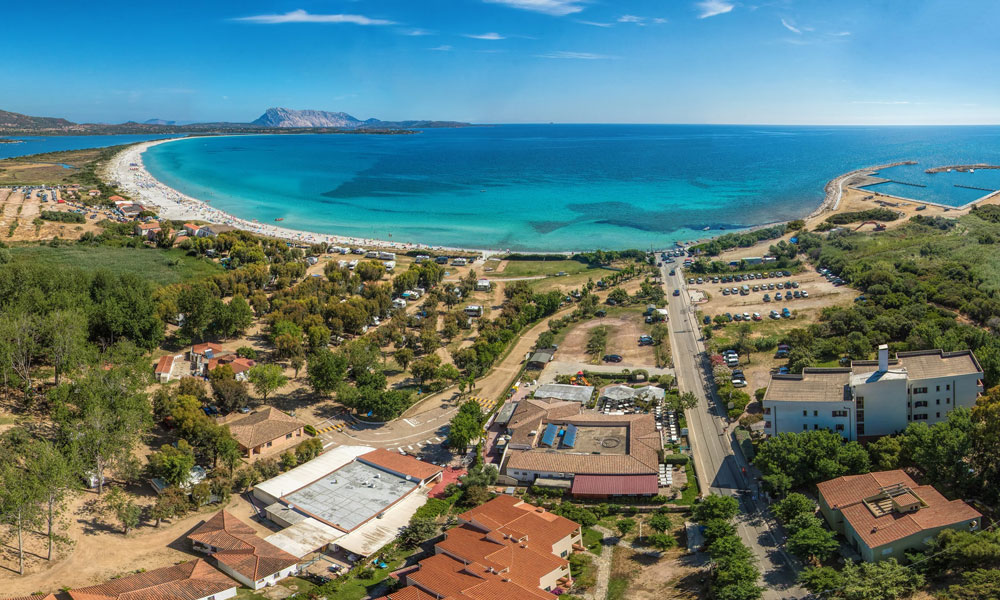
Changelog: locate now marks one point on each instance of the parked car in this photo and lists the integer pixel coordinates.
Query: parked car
(677, 292)
(767, 297)
(805, 294)
(612, 358)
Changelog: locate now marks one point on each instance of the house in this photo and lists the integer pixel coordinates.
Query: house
(870, 399)
(193, 580)
(164, 369)
(240, 366)
(94, 193)
(198, 230)
(266, 432)
(483, 285)
(237, 551)
(473, 310)
(886, 514)
(200, 354)
(554, 439)
(147, 230)
(504, 548)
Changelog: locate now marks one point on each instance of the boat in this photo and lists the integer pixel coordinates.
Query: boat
(972, 170)
(706, 228)
(280, 219)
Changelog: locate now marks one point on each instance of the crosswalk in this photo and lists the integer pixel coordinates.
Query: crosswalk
(329, 428)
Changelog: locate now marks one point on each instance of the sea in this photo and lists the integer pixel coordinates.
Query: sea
(25, 145)
(562, 187)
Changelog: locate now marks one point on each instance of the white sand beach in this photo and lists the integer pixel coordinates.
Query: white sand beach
(127, 171)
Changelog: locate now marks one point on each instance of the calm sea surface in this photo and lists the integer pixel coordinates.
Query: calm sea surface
(559, 187)
(58, 143)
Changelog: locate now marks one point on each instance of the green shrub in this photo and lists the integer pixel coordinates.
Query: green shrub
(676, 459)
(310, 429)
(62, 217)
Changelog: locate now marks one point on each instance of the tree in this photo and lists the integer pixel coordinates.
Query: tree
(716, 507)
(425, 369)
(266, 379)
(808, 457)
(54, 475)
(124, 509)
(813, 542)
(309, 449)
(882, 580)
(744, 345)
(326, 370)
(792, 506)
(23, 333)
(417, 531)
(660, 522)
(466, 426)
(403, 357)
(976, 585)
(173, 464)
(65, 339)
(19, 502)
(198, 308)
(103, 416)
(172, 502)
(717, 528)
(201, 493)
(821, 580)
(885, 453)
(288, 460)
(230, 394)
(942, 450)
(624, 526)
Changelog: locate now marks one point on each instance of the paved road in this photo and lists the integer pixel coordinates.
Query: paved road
(721, 467)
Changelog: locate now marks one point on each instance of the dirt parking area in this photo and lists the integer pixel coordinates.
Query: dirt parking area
(623, 338)
(18, 210)
(822, 293)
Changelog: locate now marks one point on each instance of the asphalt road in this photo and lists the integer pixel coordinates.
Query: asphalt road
(720, 464)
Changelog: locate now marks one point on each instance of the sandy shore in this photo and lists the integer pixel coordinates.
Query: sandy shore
(126, 170)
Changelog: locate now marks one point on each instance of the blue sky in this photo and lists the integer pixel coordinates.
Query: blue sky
(507, 61)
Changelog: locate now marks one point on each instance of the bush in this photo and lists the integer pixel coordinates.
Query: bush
(309, 429)
(872, 214)
(676, 459)
(62, 217)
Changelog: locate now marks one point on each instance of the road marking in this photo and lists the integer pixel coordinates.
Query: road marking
(409, 422)
(409, 447)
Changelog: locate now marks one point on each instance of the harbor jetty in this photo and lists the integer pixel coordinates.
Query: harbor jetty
(960, 168)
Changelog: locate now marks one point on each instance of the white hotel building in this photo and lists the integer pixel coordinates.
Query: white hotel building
(873, 398)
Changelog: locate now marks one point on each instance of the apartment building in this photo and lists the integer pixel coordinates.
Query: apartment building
(870, 399)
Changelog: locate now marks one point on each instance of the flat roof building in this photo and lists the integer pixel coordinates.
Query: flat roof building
(561, 391)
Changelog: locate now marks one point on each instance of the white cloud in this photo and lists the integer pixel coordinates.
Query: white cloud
(841, 33)
(416, 32)
(595, 24)
(557, 8)
(301, 16)
(486, 36)
(711, 8)
(790, 27)
(884, 102)
(659, 20)
(574, 55)
(443, 48)
(631, 19)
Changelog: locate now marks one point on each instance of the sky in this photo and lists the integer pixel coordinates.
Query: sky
(890, 62)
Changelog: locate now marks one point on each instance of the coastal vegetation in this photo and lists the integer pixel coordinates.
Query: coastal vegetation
(872, 214)
(744, 239)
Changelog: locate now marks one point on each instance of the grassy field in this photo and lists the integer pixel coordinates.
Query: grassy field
(47, 168)
(162, 267)
(592, 540)
(532, 268)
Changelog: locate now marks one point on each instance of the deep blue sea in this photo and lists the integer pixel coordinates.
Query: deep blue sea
(58, 143)
(558, 187)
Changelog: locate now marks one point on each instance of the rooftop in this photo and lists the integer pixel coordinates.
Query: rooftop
(240, 548)
(349, 496)
(812, 385)
(400, 463)
(866, 503)
(615, 485)
(304, 474)
(263, 426)
(561, 391)
(187, 581)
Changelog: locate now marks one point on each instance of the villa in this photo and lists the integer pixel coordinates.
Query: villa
(266, 432)
(238, 552)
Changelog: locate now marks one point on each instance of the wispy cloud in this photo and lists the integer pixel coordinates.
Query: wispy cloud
(884, 102)
(711, 8)
(564, 54)
(486, 36)
(416, 32)
(595, 23)
(630, 19)
(301, 16)
(557, 8)
(443, 48)
(641, 21)
(841, 33)
(790, 27)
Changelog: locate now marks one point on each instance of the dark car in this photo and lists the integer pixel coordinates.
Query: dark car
(612, 358)
(707, 320)
(677, 292)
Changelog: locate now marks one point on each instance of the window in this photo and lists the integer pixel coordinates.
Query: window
(840, 413)
(563, 554)
(805, 413)
(288, 437)
(947, 386)
(920, 417)
(861, 429)
(886, 551)
(938, 401)
(815, 425)
(861, 416)
(804, 427)
(840, 427)
(268, 444)
(939, 415)
(938, 389)
(767, 410)
(921, 390)
(767, 424)
(947, 400)
(920, 404)
(815, 413)
(860, 401)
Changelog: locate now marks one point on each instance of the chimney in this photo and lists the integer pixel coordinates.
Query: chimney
(883, 358)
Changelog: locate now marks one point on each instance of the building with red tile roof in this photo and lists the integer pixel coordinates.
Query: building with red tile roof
(195, 580)
(165, 367)
(266, 432)
(604, 486)
(886, 514)
(489, 557)
(240, 553)
(401, 464)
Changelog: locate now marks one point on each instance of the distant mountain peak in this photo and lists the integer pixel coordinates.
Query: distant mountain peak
(286, 117)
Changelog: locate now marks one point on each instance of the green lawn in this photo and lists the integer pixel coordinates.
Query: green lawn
(531, 268)
(592, 540)
(162, 267)
(617, 586)
(689, 495)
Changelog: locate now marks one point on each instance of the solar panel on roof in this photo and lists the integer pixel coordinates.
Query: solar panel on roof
(569, 440)
(549, 437)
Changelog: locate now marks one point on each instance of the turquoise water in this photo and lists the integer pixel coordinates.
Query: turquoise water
(548, 187)
(58, 143)
(910, 181)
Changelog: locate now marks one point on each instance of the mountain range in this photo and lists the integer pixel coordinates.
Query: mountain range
(284, 119)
